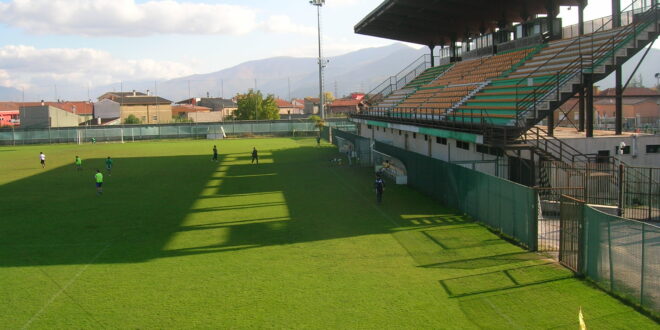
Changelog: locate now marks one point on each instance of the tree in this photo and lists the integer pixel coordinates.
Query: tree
(131, 119)
(318, 121)
(253, 106)
(328, 97)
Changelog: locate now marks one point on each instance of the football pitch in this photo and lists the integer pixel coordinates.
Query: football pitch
(179, 241)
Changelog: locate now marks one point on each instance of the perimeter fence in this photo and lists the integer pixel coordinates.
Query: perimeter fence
(129, 133)
(621, 256)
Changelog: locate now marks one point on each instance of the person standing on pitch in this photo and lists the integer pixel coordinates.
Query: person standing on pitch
(98, 177)
(108, 165)
(379, 185)
(255, 155)
(42, 158)
(78, 163)
(318, 140)
(215, 153)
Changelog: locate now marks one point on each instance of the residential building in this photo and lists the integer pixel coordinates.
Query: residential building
(179, 110)
(287, 108)
(106, 110)
(149, 109)
(224, 106)
(641, 108)
(343, 106)
(312, 105)
(44, 116)
(9, 114)
(9, 118)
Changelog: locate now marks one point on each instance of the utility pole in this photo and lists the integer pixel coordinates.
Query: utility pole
(319, 4)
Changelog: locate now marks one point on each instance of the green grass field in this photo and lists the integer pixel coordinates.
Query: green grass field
(178, 241)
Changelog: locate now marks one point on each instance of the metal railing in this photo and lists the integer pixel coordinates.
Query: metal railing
(539, 138)
(544, 91)
(399, 80)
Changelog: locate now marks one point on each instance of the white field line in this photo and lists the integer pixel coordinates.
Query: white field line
(58, 293)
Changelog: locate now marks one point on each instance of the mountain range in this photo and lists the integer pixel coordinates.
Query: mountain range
(288, 77)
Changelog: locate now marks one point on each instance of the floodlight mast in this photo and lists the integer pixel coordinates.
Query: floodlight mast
(319, 4)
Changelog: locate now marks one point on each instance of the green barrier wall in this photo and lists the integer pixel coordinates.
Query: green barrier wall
(501, 204)
(164, 131)
(361, 145)
(623, 257)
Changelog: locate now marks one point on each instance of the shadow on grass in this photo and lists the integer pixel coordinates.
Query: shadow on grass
(161, 207)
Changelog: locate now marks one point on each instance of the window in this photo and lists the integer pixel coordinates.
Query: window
(603, 156)
(626, 150)
(440, 140)
(378, 128)
(399, 132)
(426, 137)
(463, 145)
(414, 135)
(653, 148)
(482, 149)
(154, 118)
(369, 127)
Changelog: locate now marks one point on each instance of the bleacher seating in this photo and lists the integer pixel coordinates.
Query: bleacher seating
(463, 78)
(428, 76)
(498, 101)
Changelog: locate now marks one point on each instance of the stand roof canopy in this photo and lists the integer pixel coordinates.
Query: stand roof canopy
(437, 22)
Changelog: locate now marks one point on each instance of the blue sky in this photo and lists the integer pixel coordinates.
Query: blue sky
(99, 42)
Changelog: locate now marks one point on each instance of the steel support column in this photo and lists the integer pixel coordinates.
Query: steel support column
(432, 47)
(618, 108)
(589, 84)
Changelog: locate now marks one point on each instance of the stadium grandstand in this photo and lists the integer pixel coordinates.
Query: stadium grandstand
(503, 69)
(490, 100)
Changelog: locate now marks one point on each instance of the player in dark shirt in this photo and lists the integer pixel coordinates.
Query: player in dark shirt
(255, 155)
(379, 185)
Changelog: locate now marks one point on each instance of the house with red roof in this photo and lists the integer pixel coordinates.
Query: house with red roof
(288, 108)
(343, 106)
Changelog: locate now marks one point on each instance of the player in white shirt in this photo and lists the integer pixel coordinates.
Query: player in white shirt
(42, 158)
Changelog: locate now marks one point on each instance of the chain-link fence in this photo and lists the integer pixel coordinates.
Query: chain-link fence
(166, 131)
(623, 257)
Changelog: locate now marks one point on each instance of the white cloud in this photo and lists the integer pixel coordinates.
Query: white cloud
(283, 24)
(341, 3)
(26, 65)
(126, 18)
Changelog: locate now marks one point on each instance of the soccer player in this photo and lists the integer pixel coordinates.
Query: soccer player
(78, 163)
(255, 155)
(108, 165)
(318, 140)
(42, 158)
(379, 185)
(215, 153)
(98, 177)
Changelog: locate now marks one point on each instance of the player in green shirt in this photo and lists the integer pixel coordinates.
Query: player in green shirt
(99, 182)
(78, 163)
(108, 165)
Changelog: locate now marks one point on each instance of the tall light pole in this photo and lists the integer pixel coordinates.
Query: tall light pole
(319, 4)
